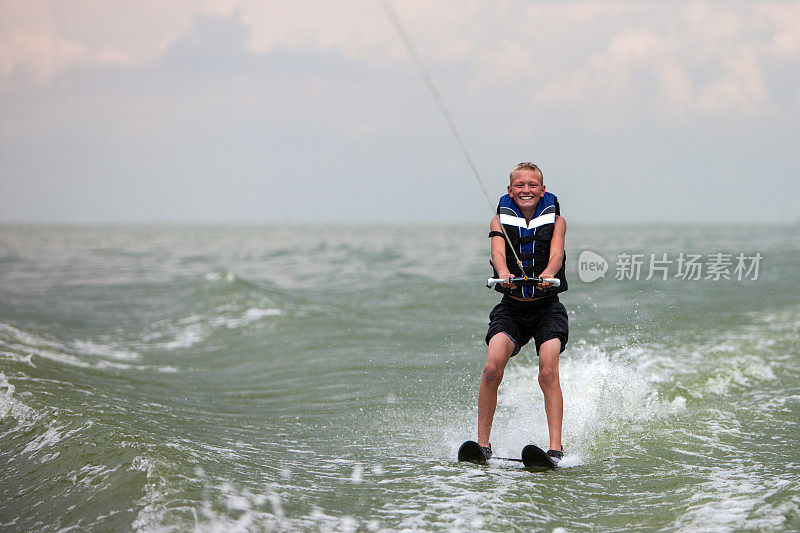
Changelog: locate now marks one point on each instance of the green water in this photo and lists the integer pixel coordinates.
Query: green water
(173, 378)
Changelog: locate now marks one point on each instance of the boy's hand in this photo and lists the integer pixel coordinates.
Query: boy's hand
(506, 284)
(545, 284)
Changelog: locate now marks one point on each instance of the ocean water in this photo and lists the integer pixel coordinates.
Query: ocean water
(321, 378)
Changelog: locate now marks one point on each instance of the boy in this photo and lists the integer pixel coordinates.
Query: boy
(534, 228)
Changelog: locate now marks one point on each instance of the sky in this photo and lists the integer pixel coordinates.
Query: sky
(310, 111)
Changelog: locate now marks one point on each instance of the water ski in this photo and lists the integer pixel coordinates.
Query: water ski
(535, 457)
(471, 452)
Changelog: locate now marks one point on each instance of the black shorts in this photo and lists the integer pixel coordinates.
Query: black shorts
(541, 320)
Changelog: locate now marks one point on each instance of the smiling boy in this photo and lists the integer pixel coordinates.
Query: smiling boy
(535, 229)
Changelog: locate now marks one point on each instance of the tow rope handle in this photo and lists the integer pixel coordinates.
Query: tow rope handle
(491, 282)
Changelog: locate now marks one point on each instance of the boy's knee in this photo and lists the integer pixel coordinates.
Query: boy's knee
(548, 377)
(492, 373)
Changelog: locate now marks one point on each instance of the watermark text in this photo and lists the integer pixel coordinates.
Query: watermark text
(663, 266)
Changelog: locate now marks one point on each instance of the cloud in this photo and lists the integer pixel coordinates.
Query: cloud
(231, 103)
(41, 39)
(702, 60)
(30, 48)
(741, 86)
(568, 52)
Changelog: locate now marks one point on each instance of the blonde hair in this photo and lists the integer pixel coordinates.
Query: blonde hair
(526, 165)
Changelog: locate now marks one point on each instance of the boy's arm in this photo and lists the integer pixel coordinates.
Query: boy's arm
(556, 249)
(499, 253)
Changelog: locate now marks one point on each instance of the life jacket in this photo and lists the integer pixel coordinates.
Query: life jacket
(531, 242)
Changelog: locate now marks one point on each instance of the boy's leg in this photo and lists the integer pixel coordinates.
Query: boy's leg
(551, 387)
(500, 349)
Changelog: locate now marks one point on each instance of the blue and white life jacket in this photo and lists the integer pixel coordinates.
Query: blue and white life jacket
(531, 240)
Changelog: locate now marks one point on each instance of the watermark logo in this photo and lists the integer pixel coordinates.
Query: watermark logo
(683, 266)
(591, 266)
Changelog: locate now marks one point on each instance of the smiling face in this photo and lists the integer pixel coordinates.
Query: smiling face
(526, 188)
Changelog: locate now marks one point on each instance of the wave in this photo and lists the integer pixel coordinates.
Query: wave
(218, 302)
(23, 346)
(11, 406)
(221, 301)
